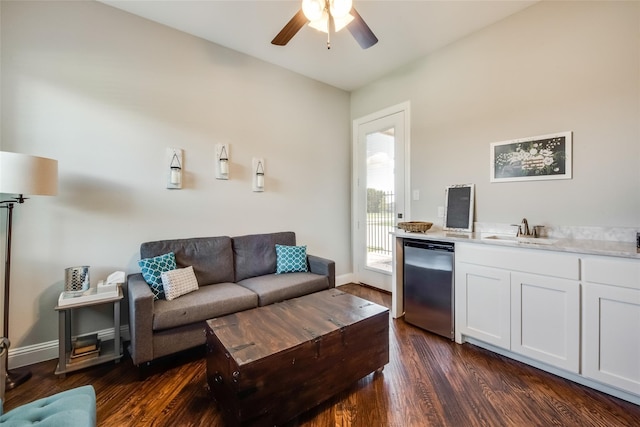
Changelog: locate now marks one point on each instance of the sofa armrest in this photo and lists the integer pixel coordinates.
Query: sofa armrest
(140, 318)
(323, 266)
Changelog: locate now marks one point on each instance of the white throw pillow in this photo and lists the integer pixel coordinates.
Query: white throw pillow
(179, 282)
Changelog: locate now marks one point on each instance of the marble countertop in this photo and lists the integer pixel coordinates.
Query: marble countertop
(562, 244)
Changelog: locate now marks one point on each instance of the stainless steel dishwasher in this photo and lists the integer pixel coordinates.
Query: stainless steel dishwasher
(428, 285)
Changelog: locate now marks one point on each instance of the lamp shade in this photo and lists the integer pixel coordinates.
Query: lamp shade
(28, 175)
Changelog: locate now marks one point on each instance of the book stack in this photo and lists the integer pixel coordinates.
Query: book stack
(85, 347)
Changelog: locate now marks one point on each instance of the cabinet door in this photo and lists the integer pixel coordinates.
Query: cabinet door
(545, 319)
(482, 303)
(611, 352)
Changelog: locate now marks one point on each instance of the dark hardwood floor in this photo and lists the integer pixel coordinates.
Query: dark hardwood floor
(429, 381)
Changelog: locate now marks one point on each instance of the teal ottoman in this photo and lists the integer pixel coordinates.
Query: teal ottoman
(75, 407)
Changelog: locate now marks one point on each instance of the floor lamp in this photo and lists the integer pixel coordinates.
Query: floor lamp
(21, 175)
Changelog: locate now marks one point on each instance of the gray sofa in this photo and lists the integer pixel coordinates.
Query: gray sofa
(233, 274)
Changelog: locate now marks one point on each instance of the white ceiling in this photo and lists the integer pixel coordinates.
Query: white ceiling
(407, 30)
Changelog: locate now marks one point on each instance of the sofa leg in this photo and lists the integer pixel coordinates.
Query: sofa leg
(143, 370)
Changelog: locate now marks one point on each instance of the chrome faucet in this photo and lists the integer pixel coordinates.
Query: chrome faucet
(523, 229)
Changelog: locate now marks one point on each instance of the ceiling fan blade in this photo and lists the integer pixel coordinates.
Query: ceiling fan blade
(361, 31)
(288, 31)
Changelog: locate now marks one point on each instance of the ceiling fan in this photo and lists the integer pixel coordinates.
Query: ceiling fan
(328, 15)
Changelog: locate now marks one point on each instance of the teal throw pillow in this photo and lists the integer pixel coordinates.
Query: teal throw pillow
(152, 269)
(291, 259)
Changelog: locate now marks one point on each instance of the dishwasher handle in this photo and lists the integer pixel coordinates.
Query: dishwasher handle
(429, 245)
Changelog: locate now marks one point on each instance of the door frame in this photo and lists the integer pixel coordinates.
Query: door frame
(404, 108)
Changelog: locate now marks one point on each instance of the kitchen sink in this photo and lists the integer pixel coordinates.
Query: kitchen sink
(521, 239)
(500, 237)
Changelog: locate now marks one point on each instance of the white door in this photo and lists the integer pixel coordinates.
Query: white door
(483, 304)
(380, 183)
(545, 319)
(611, 345)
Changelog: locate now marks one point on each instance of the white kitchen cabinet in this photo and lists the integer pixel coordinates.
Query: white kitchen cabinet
(483, 303)
(545, 319)
(611, 322)
(574, 314)
(500, 301)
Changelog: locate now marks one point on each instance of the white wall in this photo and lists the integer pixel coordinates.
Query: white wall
(556, 66)
(105, 93)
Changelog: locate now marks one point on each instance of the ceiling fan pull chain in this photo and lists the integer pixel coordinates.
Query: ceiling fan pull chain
(329, 31)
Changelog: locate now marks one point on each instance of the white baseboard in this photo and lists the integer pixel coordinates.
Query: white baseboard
(28, 355)
(344, 279)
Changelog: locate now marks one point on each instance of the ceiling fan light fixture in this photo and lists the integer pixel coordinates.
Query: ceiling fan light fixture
(340, 8)
(340, 23)
(313, 9)
(321, 24)
(319, 14)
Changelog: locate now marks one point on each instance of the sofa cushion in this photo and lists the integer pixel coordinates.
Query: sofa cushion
(178, 282)
(273, 288)
(211, 257)
(205, 303)
(152, 269)
(291, 259)
(255, 255)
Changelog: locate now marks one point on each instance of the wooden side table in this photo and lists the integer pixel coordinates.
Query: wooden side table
(110, 350)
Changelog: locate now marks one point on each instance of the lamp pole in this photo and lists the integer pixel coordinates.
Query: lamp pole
(21, 174)
(16, 377)
(7, 269)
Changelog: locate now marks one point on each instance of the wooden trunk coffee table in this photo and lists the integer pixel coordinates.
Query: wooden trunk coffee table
(269, 364)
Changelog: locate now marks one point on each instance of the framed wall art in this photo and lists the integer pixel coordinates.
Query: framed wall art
(534, 158)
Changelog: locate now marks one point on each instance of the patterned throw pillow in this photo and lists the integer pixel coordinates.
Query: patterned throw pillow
(179, 282)
(291, 259)
(152, 268)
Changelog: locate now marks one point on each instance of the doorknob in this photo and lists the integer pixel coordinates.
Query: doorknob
(399, 216)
